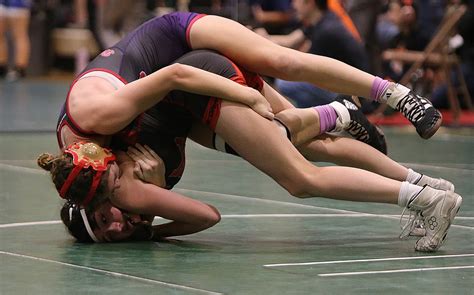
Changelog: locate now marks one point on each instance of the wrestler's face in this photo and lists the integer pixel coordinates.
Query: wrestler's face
(112, 224)
(301, 8)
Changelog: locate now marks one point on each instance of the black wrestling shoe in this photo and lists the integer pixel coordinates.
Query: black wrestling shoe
(354, 122)
(421, 113)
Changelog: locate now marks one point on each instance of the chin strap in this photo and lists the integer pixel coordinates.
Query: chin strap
(85, 155)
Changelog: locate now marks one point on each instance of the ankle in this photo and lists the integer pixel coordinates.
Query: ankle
(327, 118)
(408, 193)
(413, 176)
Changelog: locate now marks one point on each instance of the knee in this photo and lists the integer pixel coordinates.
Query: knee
(302, 187)
(284, 64)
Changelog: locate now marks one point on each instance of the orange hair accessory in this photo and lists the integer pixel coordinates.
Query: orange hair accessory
(85, 155)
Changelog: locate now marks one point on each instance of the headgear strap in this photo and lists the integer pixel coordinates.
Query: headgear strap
(85, 155)
(88, 226)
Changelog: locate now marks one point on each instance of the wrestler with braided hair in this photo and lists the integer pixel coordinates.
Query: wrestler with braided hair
(165, 127)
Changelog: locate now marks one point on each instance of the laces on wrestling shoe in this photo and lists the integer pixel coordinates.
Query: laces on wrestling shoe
(414, 226)
(421, 113)
(353, 121)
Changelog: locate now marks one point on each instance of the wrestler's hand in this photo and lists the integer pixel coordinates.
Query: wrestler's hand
(262, 106)
(149, 167)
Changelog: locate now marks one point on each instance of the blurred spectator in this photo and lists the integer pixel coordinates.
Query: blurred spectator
(364, 14)
(408, 25)
(322, 33)
(336, 7)
(466, 55)
(15, 19)
(275, 16)
(205, 6)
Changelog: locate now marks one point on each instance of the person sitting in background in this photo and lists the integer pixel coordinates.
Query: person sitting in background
(322, 33)
(276, 17)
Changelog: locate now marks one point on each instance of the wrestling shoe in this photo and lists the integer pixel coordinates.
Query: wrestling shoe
(354, 122)
(437, 183)
(436, 209)
(418, 110)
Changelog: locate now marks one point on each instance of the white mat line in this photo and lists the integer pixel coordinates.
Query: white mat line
(393, 271)
(219, 195)
(114, 274)
(23, 169)
(367, 260)
(33, 223)
(240, 216)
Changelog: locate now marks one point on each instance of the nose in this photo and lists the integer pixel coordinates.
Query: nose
(115, 227)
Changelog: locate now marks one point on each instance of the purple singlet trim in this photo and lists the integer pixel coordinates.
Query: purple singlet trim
(327, 118)
(379, 86)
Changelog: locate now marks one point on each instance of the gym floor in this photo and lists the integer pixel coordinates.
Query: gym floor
(267, 242)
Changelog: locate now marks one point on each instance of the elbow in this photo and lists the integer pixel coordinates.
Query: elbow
(178, 73)
(212, 217)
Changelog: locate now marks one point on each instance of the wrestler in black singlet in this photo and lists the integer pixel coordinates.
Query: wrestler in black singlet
(166, 126)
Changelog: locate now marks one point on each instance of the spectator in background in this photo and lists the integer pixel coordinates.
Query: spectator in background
(409, 25)
(15, 19)
(275, 16)
(364, 14)
(336, 7)
(321, 33)
(466, 55)
(205, 6)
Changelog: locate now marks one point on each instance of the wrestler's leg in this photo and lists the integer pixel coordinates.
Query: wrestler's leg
(349, 152)
(19, 26)
(3, 38)
(278, 158)
(265, 57)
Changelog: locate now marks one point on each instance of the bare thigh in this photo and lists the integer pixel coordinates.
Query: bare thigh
(258, 141)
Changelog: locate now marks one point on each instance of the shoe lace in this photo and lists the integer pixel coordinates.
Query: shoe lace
(415, 220)
(412, 106)
(358, 131)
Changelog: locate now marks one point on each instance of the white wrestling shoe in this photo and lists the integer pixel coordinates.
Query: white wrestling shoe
(436, 209)
(416, 227)
(437, 183)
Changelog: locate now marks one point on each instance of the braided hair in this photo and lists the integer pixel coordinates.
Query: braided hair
(61, 166)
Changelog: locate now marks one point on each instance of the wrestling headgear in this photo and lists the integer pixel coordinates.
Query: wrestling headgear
(85, 155)
(75, 219)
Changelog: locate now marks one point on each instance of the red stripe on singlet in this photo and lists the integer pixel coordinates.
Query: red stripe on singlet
(188, 29)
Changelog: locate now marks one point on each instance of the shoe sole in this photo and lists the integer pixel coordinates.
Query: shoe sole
(430, 132)
(455, 209)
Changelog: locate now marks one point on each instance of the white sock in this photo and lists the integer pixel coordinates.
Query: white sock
(413, 176)
(407, 192)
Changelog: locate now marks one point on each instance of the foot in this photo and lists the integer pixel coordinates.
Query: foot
(437, 183)
(418, 110)
(437, 209)
(353, 121)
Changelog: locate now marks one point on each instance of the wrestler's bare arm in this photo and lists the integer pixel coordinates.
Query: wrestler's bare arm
(187, 215)
(110, 112)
